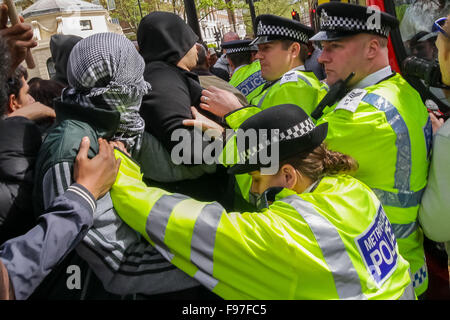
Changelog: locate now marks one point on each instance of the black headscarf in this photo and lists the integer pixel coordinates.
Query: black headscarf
(60, 46)
(164, 36)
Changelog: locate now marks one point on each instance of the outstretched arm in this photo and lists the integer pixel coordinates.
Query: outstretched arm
(31, 257)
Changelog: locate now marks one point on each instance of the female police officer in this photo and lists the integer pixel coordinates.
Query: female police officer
(320, 234)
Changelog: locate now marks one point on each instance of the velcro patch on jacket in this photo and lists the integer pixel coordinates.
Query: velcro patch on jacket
(289, 77)
(352, 100)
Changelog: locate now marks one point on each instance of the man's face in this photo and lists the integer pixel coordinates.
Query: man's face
(444, 58)
(342, 57)
(275, 61)
(24, 97)
(212, 59)
(425, 50)
(189, 61)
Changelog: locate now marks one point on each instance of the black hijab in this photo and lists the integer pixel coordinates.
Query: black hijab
(60, 46)
(164, 36)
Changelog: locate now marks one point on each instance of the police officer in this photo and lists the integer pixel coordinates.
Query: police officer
(309, 241)
(282, 51)
(381, 122)
(246, 75)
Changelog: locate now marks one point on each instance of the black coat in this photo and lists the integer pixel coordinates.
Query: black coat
(20, 141)
(164, 39)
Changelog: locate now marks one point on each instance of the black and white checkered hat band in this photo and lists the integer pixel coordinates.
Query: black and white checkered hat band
(298, 130)
(237, 50)
(271, 30)
(333, 23)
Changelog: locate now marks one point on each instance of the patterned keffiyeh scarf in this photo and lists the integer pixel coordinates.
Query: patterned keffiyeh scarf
(106, 71)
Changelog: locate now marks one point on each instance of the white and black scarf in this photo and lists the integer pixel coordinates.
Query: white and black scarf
(106, 71)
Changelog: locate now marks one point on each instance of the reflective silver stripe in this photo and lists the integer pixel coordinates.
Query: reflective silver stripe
(304, 79)
(346, 278)
(204, 236)
(403, 231)
(265, 94)
(403, 143)
(165, 253)
(408, 293)
(205, 279)
(159, 217)
(404, 199)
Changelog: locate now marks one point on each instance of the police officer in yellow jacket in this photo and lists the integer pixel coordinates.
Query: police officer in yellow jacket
(381, 122)
(320, 234)
(282, 51)
(246, 74)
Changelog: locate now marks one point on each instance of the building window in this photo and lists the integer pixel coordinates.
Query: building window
(85, 25)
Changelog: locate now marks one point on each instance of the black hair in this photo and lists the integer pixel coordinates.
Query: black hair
(45, 91)
(201, 54)
(14, 83)
(240, 58)
(304, 50)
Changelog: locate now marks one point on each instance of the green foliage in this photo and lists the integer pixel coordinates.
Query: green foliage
(281, 8)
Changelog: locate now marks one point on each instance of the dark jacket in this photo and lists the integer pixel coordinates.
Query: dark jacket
(29, 258)
(113, 259)
(20, 140)
(164, 39)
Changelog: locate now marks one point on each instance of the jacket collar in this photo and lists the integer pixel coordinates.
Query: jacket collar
(374, 78)
(104, 122)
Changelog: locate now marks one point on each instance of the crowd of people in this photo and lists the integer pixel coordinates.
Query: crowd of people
(104, 167)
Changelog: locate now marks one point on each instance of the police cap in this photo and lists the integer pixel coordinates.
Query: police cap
(237, 46)
(296, 134)
(270, 27)
(339, 20)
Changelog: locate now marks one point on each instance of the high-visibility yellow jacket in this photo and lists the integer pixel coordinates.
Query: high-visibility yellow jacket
(386, 128)
(298, 87)
(334, 242)
(248, 80)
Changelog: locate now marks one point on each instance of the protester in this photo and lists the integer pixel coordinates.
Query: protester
(19, 136)
(305, 243)
(45, 91)
(212, 56)
(18, 91)
(222, 62)
(102, 101)
(382, 122)
(167, 45)
(434, 211)
(60, 46)
(26, 260)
